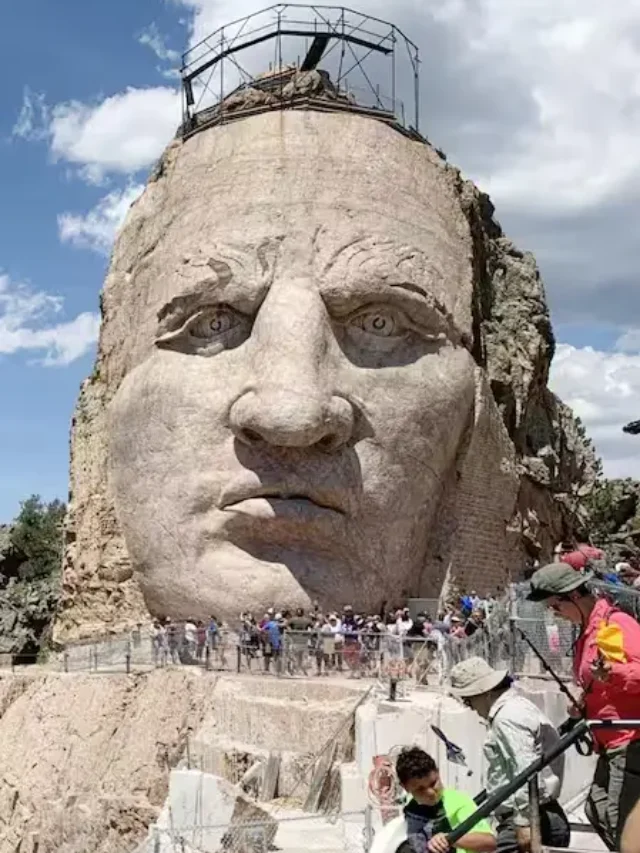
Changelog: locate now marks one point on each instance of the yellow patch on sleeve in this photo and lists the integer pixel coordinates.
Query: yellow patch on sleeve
(610, 642)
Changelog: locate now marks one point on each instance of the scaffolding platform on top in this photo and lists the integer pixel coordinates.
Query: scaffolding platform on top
(248, 65)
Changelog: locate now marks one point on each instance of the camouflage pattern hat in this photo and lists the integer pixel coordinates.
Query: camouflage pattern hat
(556, 579)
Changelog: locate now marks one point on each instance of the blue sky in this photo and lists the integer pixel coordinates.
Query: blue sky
(70, 51)
(88, 101)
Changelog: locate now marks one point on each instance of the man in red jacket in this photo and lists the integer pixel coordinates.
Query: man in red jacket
(607, 668)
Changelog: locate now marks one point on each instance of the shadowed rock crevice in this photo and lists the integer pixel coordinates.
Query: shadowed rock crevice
(514, 342)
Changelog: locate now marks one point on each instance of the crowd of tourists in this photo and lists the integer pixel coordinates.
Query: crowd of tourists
(285, 640)
(582, 557)
(297, 641)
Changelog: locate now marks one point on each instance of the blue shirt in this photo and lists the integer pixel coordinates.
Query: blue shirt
(272, 630)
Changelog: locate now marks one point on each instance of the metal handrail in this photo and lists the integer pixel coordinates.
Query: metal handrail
(498, 797)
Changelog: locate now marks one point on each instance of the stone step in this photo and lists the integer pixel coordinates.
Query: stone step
(269, 713)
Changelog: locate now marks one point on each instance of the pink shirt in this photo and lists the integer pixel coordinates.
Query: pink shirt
(579, 558)
(615, 637)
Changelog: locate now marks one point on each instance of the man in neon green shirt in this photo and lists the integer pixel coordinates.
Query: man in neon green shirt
(434, 811)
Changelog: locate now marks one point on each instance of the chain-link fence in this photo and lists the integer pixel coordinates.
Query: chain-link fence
(504, 639)
(627, 598)
(349, 832)
(360, 655)
(534, 625)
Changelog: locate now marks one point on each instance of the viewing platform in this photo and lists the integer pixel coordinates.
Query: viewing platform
(326, 58)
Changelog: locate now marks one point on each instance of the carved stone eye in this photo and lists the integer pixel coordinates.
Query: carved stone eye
(213, 322)
(384, 324)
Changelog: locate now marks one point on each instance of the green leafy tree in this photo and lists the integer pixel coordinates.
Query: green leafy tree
(612, 506)
(38, 534)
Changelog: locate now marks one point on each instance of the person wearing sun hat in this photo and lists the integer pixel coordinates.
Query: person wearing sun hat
(606, 665)
(518, 733)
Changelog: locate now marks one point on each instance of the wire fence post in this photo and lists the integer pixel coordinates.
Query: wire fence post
(368, 828)
(128, 658)
(393, 688)
(513, 633)
(534, 815)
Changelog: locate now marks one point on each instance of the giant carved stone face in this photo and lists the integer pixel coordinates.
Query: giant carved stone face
(298, 386)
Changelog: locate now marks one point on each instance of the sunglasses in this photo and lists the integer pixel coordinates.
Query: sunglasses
(556, 601)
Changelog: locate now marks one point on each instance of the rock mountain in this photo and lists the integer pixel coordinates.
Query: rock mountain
(548, 462)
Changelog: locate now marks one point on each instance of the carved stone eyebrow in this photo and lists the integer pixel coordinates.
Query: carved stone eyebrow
(435, 303)
(201, 287)
(248, 266)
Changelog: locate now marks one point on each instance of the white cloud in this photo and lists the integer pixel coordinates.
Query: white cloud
(560, 80)
(603, 389)
(208, 15)
(579, 61)
(27, 324)
(153, 39)
(567, 70)
(96, 229)
(629, 341)
(33, 118)
(122, 134)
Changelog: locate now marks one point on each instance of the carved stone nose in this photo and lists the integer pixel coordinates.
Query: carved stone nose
(283, 418)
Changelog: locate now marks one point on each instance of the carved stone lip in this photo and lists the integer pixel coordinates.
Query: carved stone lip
(294, 493)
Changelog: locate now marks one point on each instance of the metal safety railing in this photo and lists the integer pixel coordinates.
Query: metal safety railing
(488, 804)
(504, 640)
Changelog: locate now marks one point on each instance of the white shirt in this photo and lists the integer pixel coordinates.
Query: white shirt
(403, 626)
(336, 630)
(190, 632)
(518, 734)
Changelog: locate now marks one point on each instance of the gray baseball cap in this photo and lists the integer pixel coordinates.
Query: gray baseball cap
(556, 579)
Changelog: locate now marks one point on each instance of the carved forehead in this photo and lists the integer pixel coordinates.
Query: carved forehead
(333, 259)
(335, 193)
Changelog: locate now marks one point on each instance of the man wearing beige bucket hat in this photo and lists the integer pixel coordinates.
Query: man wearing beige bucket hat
(518, 734)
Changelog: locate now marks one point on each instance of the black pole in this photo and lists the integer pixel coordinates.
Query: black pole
(549, 669)
(499, 796)
(534, 815)
(614, 724)
(568, 726)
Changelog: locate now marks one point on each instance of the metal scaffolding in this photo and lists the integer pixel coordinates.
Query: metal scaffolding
(345, 44)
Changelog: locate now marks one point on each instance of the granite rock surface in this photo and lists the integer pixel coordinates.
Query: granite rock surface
(425, 431)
